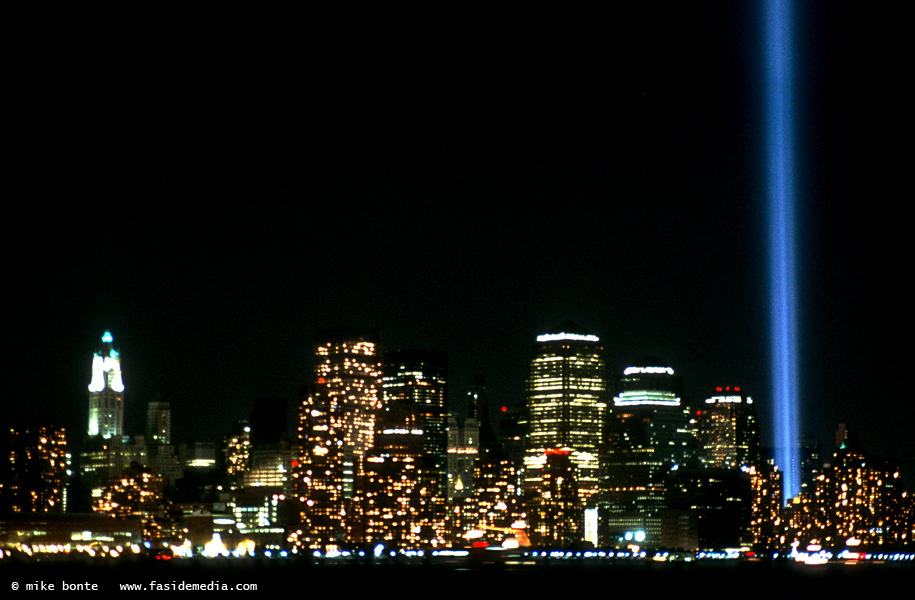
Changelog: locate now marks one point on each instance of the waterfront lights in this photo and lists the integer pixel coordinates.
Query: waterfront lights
(782, 229)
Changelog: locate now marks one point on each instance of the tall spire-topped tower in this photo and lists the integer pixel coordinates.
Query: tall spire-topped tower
(106, 392)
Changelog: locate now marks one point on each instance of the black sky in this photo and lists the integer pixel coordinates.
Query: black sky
(212, 204)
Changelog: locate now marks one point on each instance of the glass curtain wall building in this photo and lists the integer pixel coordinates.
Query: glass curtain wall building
(566, 387)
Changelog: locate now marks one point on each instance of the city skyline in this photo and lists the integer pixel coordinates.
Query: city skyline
(468, 208)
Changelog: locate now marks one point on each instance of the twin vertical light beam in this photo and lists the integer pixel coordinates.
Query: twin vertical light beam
(783, 290)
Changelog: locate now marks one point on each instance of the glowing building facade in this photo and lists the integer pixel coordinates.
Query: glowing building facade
(405, 472)
(648, 435)
(856, 501)
(766, 521)
(497, 501)
(236, 448)
(106, 392)
(566, 385)
(136, 494)
(403, 506)
(336, 426)
(348, 372)
(414, 382)
(317, 475)
(729, 430)
(556, 513)
(39, 469)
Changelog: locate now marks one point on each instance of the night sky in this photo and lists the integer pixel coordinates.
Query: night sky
(213, 203)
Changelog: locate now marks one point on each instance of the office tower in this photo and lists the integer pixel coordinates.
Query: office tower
(267, 421)
(729, 430)
(258, 515)
(556, 513)
(106, 392)
(766, 523)
(347, 372)
(512, 434)
(317, 475)
(810, 463)
(160, 454)
(708, 507)
(336, 421)
(402, 502)
(405, 472)
(106, 451)
(270, 455)
(566, 385)
(39, 468)
(270, 465)
(478, 409)
(709, 503)
(158, 423)
(415, 382)
(236, 449)
(648, 435)
(100, 461)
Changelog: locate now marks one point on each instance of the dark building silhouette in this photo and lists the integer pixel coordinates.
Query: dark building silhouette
(268, 421)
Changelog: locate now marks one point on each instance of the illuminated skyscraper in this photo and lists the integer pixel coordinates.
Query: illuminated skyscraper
(335, 432)
(236, 448)
(729, 430)
(317, 475)
(39, 464)
(766, 520)
(566, 385)
(348, 372)
(415, 382)
(710, 503)
(405, 481)
(106, 393)
(648, 436)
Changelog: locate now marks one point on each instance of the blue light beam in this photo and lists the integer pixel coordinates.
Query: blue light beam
(782, 230)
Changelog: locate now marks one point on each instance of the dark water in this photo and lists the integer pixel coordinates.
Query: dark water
(563, 580)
